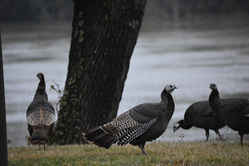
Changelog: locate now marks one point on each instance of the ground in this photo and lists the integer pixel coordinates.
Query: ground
(159, 154)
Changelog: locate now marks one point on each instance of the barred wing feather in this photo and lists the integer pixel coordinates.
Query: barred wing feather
(127, 129)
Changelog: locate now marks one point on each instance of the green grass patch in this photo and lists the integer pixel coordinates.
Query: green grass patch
(159, 154)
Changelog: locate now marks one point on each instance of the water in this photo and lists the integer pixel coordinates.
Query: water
(188, 55)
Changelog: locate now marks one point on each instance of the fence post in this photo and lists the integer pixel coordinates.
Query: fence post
(3, 130)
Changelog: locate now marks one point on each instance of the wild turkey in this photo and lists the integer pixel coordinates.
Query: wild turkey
(40, 115)
(235, 113)
(142, 123)
(200, 115)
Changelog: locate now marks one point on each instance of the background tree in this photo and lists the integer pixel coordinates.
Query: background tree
(103, 38)
(3, 133)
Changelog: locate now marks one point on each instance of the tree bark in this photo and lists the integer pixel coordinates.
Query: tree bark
(103, 38)
(3, 130)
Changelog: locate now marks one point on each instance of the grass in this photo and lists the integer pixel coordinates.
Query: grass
(159, 154)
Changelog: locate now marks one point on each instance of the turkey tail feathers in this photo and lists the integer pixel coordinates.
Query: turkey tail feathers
(100, 137)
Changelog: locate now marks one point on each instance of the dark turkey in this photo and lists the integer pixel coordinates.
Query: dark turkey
(236, 112)
(200, 115)
(40, 115)
(142, 123)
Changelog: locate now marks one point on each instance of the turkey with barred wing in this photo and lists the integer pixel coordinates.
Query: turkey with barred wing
(142, 123)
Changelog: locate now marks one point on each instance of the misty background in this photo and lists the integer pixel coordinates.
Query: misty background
(190, 43)
(157, 10)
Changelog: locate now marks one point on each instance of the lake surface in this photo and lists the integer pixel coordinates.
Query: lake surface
(190, 55)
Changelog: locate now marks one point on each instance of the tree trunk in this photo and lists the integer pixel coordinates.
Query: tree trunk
(3, 132)
(103, 38)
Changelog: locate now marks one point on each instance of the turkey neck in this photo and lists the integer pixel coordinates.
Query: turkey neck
(214, 100)
(168, 101)
(41, 90)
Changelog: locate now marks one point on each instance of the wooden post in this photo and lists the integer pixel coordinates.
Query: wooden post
(3, 132)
